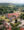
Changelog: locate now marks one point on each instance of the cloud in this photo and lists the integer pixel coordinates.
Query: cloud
(3, 1)
(15, 1)
(20, 1)
(11, 1)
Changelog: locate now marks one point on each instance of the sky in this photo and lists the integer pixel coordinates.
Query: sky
(12, 1)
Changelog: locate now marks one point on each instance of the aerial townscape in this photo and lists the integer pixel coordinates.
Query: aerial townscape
(11, 16)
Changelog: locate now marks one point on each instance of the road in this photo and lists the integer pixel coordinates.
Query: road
(22, 23)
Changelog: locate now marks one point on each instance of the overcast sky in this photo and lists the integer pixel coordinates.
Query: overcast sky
(11, 1)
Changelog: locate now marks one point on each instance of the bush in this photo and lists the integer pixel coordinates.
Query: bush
(14, 26)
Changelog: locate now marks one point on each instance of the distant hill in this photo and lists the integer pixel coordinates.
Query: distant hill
(3, 4)
(6, 4)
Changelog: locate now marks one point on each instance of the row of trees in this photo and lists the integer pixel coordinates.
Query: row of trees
(3, 11)
(22, 16)
(7, 10)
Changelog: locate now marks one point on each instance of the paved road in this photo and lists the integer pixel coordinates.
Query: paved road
(22, 22)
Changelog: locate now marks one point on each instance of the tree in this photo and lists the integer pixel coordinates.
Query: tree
(1, 11)
(14, 26)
